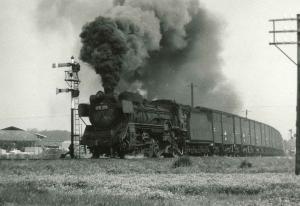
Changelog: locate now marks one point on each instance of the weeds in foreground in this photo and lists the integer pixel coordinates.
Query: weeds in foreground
(245, 164)
(212, 189)
(195, 181)
(183, 161)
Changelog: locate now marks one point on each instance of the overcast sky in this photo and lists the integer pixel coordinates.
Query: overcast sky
(264, 78)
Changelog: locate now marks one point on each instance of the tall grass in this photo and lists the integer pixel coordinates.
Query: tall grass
(183, 161)
(245, 164)
(148, 166)
(181, 181)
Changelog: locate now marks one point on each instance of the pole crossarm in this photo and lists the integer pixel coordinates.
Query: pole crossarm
(284, 19)
(284, 42)
(59, 65)
(276, 43)
(284, 31)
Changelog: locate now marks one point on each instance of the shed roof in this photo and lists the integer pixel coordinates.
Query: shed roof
(12, 128)
(17, 134)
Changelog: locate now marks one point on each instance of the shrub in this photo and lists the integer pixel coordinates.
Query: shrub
(51, 154)
(245, 164)
(183, 161)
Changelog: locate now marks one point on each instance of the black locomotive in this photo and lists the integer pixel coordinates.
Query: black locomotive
(127, 123)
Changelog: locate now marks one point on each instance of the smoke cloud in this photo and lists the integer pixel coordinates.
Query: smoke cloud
(103, 47)
(155, 47)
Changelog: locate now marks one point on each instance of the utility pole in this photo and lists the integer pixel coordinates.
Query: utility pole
(297, 165)
(192, 85)
(246, 113)
(72, 80)
(192, 94)
(297, 63)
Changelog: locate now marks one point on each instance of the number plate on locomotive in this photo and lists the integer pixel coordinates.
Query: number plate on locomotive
(101, 107)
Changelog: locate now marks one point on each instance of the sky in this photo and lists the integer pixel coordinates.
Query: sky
(264, 79)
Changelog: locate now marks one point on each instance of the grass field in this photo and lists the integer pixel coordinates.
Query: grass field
(203, 181)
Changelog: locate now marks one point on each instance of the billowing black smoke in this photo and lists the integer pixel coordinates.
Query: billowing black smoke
(104, 47)
(165, 45)
(155, 47)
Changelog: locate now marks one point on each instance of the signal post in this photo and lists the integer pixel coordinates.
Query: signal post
(297, 163)
(72, 80)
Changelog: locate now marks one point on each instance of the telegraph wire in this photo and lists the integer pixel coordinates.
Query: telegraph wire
(36, 117)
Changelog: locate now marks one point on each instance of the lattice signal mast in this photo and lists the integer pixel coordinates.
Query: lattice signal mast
(276, 43)
(72, 80)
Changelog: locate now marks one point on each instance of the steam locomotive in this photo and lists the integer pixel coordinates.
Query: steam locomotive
(129, 124)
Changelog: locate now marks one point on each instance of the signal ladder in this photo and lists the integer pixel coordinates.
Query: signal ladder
(77, 129)
(73, 82)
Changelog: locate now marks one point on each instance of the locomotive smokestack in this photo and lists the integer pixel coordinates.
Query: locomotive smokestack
(108, 91)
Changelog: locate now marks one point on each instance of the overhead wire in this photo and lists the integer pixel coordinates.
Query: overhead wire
(35, 116)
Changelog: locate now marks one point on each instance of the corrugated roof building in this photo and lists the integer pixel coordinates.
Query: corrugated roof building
(16, 138)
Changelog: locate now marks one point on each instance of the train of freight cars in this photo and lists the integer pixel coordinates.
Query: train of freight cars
(129, 124)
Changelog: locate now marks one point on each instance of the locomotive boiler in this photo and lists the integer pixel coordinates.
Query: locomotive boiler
(127, 123)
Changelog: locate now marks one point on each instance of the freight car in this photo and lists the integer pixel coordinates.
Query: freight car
(130, 124)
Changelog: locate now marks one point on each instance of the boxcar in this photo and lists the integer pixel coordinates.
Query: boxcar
(252, 138)
(267, 131)
(272, 142)
(216, 132)
(237, 135)
(217, 128)
(201, 126)
(228, 133)
(257, 136)
(201, 135)
(263, 135)
(246, 137)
